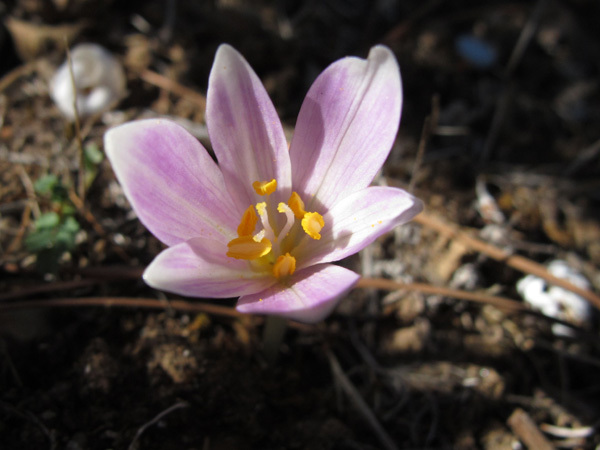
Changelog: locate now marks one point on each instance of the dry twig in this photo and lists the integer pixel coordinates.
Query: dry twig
(81, 183)
(17, 73)
(527, 431)
(30, 417)
(134, 302)
(25, 220)
(48, 289)
(389, 285)
(147, 425)
(147, 303)
(515, 261)
(429, 125)
(173, 86)
(359, 403)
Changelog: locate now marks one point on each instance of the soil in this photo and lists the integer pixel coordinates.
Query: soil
(506, 100)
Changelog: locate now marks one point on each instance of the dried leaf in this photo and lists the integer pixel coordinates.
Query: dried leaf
(32, 40)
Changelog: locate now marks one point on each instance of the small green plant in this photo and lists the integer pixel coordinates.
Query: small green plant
(92, 157)
(55, 231)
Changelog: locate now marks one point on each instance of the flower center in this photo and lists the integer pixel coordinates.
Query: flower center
(272, 247)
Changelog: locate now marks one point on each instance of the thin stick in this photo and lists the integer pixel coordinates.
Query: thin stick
(525, 37)
(134, 302)
(425, 133)
(17, 73)
(389, 285)
(429, 124)
(101, 275)
(584, 157)
(500, 111)
(25, 220)
(127, 302)
(49, 288)
(527, 431)
(515, 261)
(87, 215)
(144, 427)
(80, 205)
(173, 86)
(30, 190)
(359, 403)
(10, 364)
(81, 180)
(28, 415)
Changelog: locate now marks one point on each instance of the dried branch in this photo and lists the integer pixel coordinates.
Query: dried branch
(77, 122)
(515, 261)
(159, 416)
(527, 431)
(173, 86)
(359, 403)
(389, 285)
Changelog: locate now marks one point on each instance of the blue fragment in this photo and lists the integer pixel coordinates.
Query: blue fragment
(476, 51)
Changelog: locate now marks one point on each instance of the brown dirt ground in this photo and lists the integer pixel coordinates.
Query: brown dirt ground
(433, 372)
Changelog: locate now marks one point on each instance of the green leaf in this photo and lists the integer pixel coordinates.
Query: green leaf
(51, 238)
(39, 240)
(45, 184)
(47, 220)
(65, 235)
(92, 157)
(67, 209)
(92, 154)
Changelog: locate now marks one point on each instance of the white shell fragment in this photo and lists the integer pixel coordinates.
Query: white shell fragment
(99, 80)
(555, 301)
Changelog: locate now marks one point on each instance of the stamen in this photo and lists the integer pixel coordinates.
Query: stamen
(265, 187)
(261, 208)
(313, 223)
(284, 266)
(297, 205)
(289, 214)
(248, 222)
(245, 247)
(259, 236)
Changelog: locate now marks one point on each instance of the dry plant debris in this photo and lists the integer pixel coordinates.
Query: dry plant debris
(434, 349)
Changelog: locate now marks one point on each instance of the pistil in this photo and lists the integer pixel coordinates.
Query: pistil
(253, 246)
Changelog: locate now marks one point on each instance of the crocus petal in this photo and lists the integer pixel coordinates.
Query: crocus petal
(346, 126)
(244, 129)
(308, 296)
(199, 268)
(357, 221)
(174, 186)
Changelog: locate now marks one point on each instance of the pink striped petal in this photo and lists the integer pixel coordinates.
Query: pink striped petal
(199, 268)
(308, 296)
(357, 221)
(174, 186)
(346, 127)
(244, 129)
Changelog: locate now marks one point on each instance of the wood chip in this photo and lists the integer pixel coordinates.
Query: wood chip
(527, 431)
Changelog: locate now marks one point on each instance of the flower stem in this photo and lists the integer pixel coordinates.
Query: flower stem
(273, 333)
(81, 180)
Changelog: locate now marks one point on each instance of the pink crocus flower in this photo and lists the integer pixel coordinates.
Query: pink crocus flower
(265, 223)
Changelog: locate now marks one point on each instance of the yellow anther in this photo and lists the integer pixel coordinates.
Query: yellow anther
(245, 247)
(297, 205)
(261, 208)
(313, 223)
(248, 223)
(265, 187)
(284, 266)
